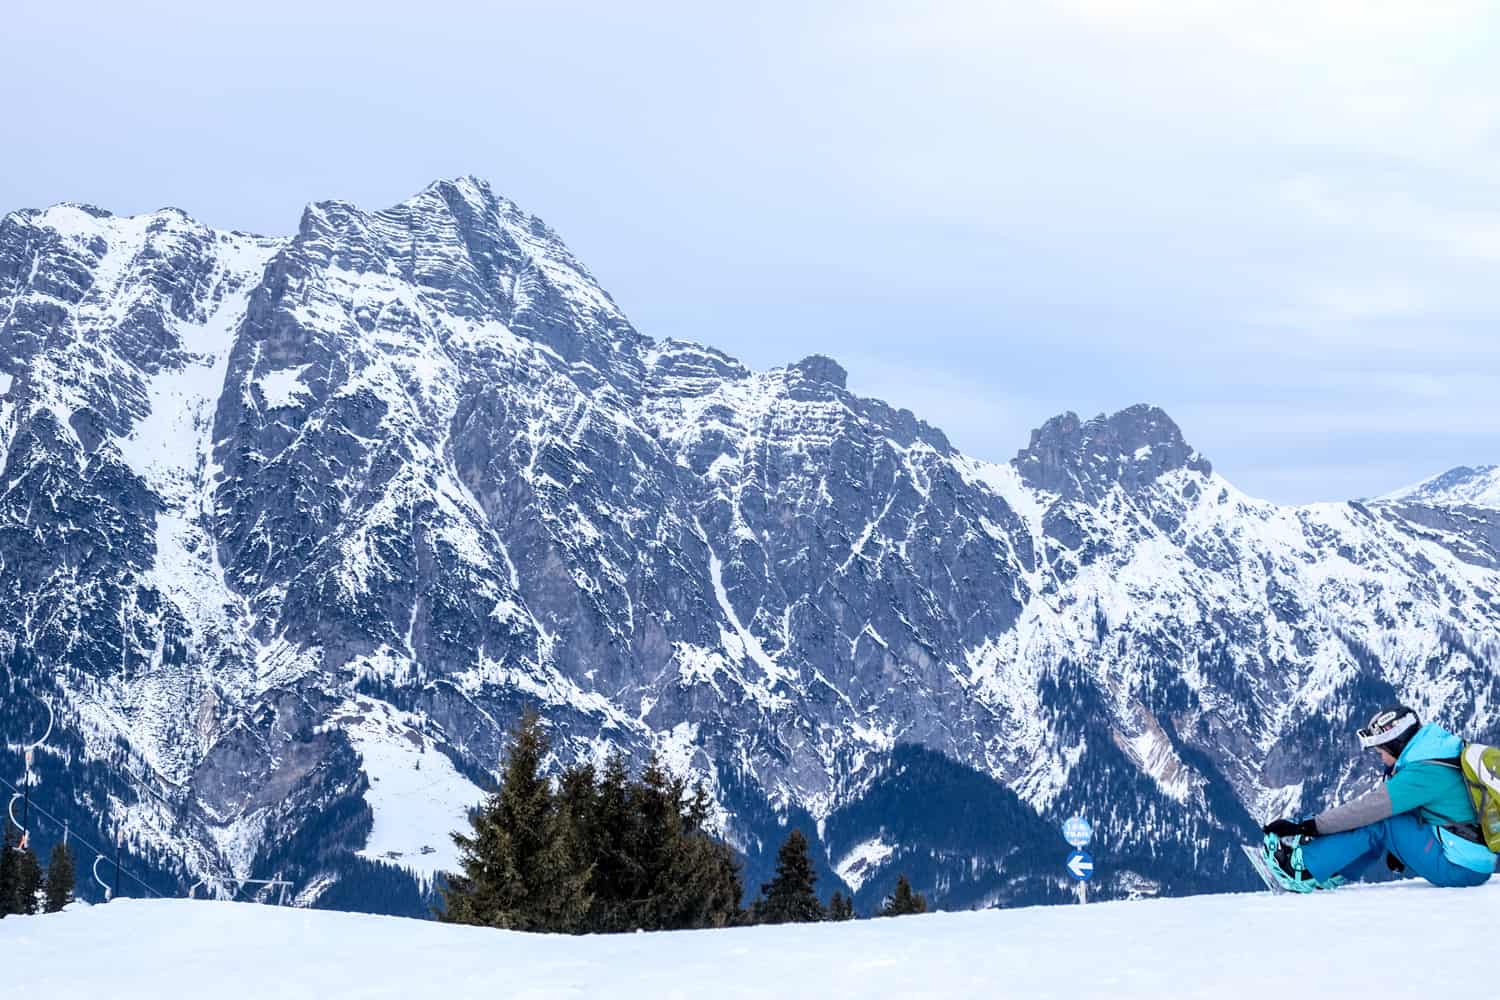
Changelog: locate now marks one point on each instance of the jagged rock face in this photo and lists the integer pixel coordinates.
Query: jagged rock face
(288, 522)
(1131, 449)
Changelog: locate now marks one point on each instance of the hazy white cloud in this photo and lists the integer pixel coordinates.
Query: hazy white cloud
(1281, 221)
(1472, 233)
(983, 415)
(1337, 312)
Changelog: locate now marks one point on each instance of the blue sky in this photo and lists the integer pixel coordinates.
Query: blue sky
(1280, 222)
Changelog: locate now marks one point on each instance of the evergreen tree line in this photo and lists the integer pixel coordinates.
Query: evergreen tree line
(24, 889)
(789, 898)
(602, 852)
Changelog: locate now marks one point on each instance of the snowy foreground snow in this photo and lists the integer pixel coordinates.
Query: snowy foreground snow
(1417, 938)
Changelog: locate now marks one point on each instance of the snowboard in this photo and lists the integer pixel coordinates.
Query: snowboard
(1256, 854)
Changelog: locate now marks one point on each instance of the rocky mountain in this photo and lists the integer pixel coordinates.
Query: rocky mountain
(1459, 487)
(291, 529)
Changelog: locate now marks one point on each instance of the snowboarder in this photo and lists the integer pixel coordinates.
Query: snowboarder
(1420, 817)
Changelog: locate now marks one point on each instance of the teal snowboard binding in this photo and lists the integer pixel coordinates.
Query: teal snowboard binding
(1278, 862)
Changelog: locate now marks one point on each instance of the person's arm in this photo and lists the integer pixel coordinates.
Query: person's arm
(1371, 807)
(1407, 790)
(1419, 785)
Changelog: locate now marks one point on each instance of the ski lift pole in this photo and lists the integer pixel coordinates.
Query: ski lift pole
(26, 803)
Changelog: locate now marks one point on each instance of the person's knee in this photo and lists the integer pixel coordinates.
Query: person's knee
(1383, 833)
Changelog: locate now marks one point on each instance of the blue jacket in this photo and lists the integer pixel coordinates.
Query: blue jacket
(1437, 793)
(1425, 783)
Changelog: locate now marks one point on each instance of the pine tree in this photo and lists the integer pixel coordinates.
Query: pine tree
(789, 898)
(703, 879)
(661, 851)
(10, 876)
(60, 878)
(903, 900)
(577, 796)
(28, 880)
(640, 848)
(695, 819)
(617, 877)
(840, 907)
(522, 865)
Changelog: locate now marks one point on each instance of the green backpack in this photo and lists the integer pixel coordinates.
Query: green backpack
(1481, 768)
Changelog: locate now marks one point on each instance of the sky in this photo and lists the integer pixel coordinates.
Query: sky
(1278, 221)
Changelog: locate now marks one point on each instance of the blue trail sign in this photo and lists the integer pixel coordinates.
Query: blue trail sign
(1081, 866)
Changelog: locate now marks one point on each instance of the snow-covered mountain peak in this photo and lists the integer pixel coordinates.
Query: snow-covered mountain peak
(472, 188)
(821, 368)
(415, 460)
(456, 251)
(81, 223)
(64, 217)
(94, 306)
(1477, 486)
(1082, 459)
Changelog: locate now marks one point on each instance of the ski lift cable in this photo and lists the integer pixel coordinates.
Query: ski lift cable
(98, 854)
(81, 839)
(30, 779)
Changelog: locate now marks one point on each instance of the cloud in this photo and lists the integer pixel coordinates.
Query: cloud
(982, 415)
(1338, 311)
(1412, 83)
(1472, 234)
(1229, 205)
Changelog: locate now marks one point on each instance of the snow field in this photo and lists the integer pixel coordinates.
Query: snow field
(419, 799)
(1410, 938)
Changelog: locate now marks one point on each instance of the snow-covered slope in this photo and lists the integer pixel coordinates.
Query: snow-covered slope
(1477, 487)
(292, 528)
(1251, 946)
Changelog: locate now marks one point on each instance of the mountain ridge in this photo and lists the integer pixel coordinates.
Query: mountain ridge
(290, 516)
(1462, 485)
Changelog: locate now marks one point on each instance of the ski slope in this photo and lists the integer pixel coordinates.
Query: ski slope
(1409, 939)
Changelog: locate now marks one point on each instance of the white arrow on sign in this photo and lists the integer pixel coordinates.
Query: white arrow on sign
(1079, 866)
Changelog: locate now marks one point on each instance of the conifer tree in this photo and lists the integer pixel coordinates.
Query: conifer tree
(28, 880)
(10, 876)
(840, 907)
(695, 818)
(659, 848)
(577, 796)
(60, 878)
(789, 898)
(633, 855)
(617, 878)
(903, 900)
(703, 878)
(521, 863)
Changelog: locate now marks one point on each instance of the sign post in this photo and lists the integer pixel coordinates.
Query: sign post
(1080, 865)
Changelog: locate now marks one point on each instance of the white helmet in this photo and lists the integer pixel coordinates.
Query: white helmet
(1390, 729)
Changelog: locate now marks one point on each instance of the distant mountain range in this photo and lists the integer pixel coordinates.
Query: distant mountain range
(1463, 486)
(291, 529)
